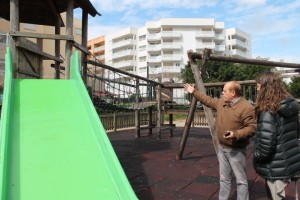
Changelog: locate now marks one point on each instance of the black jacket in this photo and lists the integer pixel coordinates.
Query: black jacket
(277, 150)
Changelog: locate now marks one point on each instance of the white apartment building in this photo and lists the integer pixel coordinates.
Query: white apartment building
(161, 46)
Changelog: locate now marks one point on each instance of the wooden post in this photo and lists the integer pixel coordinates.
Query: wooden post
(187, 128)
(201, 88)
(150, 119)
(158, 98)
(40, 66)
(137, 111)
(171, 123)
(115, 122)
(69, 27)
(14, 26)
(57, 48)
(84, 44)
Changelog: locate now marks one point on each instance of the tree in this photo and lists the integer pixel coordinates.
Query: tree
(219, 71)
(294, 87)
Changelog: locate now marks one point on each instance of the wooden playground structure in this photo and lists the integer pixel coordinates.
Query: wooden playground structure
(30, 56)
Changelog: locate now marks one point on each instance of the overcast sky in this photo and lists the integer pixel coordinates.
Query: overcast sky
(274, 25)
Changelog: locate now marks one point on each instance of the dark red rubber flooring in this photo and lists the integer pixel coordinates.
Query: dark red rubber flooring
(154, 173)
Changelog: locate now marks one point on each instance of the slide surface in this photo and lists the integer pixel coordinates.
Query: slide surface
(53, 144)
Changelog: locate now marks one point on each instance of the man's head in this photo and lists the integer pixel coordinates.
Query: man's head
(231, 90)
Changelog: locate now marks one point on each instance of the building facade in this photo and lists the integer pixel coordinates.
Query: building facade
(159, 49)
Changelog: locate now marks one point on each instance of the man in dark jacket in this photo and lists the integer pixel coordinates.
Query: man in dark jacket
(277, 150)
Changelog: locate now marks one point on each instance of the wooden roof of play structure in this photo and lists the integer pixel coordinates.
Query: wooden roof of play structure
(44, 12)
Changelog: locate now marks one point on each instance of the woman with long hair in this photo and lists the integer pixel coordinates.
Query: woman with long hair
(277, 150)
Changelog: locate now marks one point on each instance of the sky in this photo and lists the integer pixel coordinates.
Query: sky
(274, 25)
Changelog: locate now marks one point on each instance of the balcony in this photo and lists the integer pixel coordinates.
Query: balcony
(123, 54)
(153, 37)
(97, 49)
(100, 57)
(239, 53)
(125, 63)
(171, 46)
(165, 69)
(205, 34)
(170, 34)
(202, 46)
(220, 48)
(239, 43)
(171, 57)
(154, 59)
(219, 37)
(124, 43)
(154, 48)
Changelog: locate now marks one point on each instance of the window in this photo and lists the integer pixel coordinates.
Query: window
(142, 48)
(142, 37)
(30, 27)
(77, 31)
(142, 59)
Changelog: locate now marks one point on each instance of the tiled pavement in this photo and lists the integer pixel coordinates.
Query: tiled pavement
(154, 173)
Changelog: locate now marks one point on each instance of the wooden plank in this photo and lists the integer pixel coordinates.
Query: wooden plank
(159, 111)
(287, 71)
(110, 80)
(137, 112)
(81, 48)
(46, 56)
(201, 88)
(187, 127)
(121, 71)
(57, 48)
(195, 56)
(180, 85)
(69, 31)
(41, 35)
(14, 26)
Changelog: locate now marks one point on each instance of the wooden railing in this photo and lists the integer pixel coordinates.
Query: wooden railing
(117, 121)
(200, 119)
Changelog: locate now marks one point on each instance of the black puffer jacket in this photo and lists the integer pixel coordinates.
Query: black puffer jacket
(277, 150)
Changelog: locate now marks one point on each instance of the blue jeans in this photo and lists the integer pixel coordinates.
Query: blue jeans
(232, 160)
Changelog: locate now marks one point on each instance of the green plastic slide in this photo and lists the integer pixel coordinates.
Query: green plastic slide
(53, 144)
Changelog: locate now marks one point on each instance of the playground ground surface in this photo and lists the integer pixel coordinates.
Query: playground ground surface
(154, 173)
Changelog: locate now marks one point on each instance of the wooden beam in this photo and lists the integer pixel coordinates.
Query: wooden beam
(14, 26)
(288, 71)
(290, 76)
(187, 126)
(195, 56)
(112, 81)
(81, 48)
(54, 11)
(201, 88)
(137, 119)
(69, 31)
(41, 35)
(57, 48)
(84, 39)
(180, 85)
(121, 71)
(33, 50)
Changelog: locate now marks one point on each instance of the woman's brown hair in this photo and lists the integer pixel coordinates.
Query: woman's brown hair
(272, 91)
